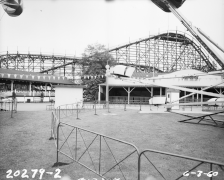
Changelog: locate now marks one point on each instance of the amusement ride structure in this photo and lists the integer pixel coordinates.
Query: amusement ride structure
(165, 52)
(12, 7)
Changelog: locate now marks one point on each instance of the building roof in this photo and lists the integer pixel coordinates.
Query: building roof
(183, 78)
(11, 74)
(69, 86)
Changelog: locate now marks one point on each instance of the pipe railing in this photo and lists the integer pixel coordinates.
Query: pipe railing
(186, 166)
(8, 105)
(86, 148)
(98, 153)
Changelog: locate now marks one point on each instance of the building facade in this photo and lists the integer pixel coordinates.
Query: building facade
(142, 86)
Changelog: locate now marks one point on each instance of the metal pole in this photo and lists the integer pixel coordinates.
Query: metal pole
(100, 156)
(76, 144)
(59, 113)
(107, 89)
(77, 111)
(15, 106)
(107, 86)
(140, 105)
(51, 126)
(12, 110)
(95, 108)
(124, 105)
(66, 109)
(108, 107)
(139, 166)
(211, 170)
(57, 142)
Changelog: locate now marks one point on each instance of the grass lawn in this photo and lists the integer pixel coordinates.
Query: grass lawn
(25, 144)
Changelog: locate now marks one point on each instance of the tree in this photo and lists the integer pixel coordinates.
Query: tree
(95, 58)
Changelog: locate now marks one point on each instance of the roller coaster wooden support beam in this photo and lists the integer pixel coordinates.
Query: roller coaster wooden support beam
(154, 53)
(56, 67)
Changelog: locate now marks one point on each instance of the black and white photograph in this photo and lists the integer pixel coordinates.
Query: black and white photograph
(112, 89)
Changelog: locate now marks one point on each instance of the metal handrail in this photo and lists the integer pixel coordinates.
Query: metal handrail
(57, 126)
(101, 137)
(201, 161)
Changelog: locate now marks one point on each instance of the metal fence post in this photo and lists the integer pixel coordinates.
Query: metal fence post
(95, 108)
(15, 105)
(66, 109)
(12, 110)
(51, 126)
(139, 165)
(100, 156)
(77, 110)
(59, 113)
(57, 142)
(211, 170)
(108, 107)
(76, 134)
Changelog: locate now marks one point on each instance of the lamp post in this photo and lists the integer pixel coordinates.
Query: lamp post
(107, 86)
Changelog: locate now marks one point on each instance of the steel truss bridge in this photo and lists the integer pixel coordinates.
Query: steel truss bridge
(165, 52)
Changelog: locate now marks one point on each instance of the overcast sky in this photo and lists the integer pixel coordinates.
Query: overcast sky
(68, 26)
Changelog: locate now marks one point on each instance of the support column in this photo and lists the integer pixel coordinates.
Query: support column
(201, 98)
(99, 92)
(12, 85)
(50, 90)
(197, 95)
(160, 91)
(107, 85)
(107, 91)
(129, 95)
(148, 90)
(30, 90)
(151, 91)
(129, 92)
(193, 97)
(185, 93)
(45, 91)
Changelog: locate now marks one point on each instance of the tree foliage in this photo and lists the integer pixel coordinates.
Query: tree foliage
(95, 58)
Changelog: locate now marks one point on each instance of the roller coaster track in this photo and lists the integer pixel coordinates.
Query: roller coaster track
(166, 52)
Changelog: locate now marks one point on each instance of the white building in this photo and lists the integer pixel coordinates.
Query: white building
(140, 87)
